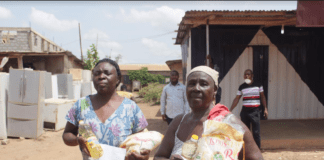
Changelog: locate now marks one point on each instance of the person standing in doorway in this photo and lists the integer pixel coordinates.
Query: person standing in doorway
(173, 99)
(253, 94)
(214, 66)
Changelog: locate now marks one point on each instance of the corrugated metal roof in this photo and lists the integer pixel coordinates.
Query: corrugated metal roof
(150, 67)
(195, 18)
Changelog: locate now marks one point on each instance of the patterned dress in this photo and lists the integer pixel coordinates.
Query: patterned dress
(126, 120)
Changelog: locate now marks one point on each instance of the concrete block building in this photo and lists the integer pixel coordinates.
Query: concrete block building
(28, 49)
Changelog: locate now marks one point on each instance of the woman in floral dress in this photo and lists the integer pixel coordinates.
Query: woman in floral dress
(111, 117)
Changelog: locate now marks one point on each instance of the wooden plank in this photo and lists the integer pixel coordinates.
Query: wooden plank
(240, 21)
(291, 21)
(189, 54)
(207, 42)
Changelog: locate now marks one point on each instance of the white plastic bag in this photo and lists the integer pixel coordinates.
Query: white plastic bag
(146, 140)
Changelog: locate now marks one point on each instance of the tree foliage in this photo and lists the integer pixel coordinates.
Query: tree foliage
(144, 76)
(92, 57)
(152, 92)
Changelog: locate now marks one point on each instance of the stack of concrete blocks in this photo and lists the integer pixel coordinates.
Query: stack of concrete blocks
(87, 87)
(4, 86)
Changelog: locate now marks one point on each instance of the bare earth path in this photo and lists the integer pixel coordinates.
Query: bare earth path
(50, 145)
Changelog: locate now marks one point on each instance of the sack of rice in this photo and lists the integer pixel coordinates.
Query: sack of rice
(146, 140)
(219, 141)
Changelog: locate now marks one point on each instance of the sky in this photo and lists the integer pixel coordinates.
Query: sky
(140, 31)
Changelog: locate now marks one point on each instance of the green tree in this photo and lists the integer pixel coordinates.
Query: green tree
(92, 57)
(144, 76)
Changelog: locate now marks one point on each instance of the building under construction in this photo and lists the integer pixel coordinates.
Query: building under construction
(28, 49)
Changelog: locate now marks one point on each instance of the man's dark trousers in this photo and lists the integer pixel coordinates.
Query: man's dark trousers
(251, 115)
(169, 120)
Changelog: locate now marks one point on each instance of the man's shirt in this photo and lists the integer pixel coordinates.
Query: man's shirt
(251, 94)
(174, 100)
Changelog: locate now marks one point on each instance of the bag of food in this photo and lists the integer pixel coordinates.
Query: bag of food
(125, 94)
(219, 141)
(146, 140)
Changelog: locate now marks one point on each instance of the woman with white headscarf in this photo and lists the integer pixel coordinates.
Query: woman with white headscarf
(201, 87)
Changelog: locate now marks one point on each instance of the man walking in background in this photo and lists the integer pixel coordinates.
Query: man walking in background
(173, 99)
(252, 94)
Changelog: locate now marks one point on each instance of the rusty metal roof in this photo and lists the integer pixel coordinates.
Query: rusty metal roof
(195, 18)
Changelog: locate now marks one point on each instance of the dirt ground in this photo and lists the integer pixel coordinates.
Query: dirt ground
(50, 145)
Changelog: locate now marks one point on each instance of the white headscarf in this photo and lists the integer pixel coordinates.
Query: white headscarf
(211, 72)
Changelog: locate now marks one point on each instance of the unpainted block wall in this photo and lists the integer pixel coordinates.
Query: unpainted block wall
(73, 64)
(18, 42)
(51, 47)
(55, 64)
(45, 46)
(36, 42)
